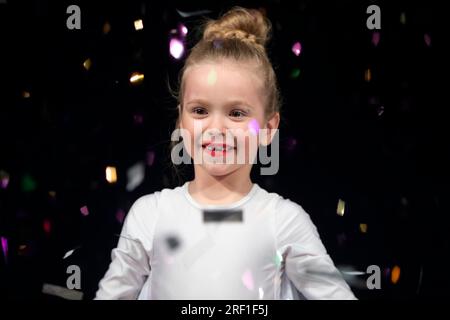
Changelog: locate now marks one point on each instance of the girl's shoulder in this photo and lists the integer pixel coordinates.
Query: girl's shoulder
(157, 198)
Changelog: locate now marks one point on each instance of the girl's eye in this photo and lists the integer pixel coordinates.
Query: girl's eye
(237, 113)
(199, 111)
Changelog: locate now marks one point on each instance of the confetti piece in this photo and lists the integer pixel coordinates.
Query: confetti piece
(247, 279)
(403, 18)
(375, 38)
(427, 39)
(4, 179)
(261, 293)
(87, 64)
(136, 78)
(340, 207)
(212, 77)
(341, 239)
(278, 259)
(4, 241)
(176, 48)
(395, 274)
(135, 176)
(295, 73)
(150, 158)
(387, 271)
(404, 201)
(47, 226)
(363, 227)
(62, 292)
(111, 174)
(52, 194)
(84, 211)
(70, 252)
(26, 94)
(173, 242)
(291, 143)
(138, 24)
(183, 30)
(380, 110)
(367, 75)
(28, 183)
(138, 119)
(297, 48)
(106, 27)
(419, 283)
(120, 215)
(185, 14)
(253, 127)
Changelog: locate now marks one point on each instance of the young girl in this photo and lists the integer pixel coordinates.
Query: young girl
(174, 244)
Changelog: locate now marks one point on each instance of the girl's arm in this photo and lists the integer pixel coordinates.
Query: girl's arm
(130, 264)
(306, 261)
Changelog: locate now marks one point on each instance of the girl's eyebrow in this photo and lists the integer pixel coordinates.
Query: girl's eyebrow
(227, 104)
(199, 101)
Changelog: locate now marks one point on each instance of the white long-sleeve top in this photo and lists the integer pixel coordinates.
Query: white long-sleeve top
(167, 251)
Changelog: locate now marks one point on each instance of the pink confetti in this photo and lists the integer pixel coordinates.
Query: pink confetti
(84, 211)
(297, 48)
(138, 119)
(150, 158)
(5, 247)
(120, 215)
(176, 48)
(183, 30)
(4, 179)
(247, 279)
(427, 39)
(253, 126)
(291, 144)
(375, 38)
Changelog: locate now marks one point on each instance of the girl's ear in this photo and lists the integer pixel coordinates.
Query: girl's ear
(271, 129)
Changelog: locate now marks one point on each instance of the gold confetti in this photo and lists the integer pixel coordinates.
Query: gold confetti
(138, 24)
(87, 64)
(395, 274)
(363, 227)
(368, 75)
(136, 78)
(111, 174)
(26, 94)
(403, 18)
(106, 27)
(340, 207)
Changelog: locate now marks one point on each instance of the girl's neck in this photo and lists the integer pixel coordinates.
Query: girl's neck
(207, 189)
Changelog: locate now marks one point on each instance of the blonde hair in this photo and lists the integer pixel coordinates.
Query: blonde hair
(239, 35)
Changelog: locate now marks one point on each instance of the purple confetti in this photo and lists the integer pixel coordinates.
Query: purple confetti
(375, 38)
(253, 126)
(5, 247)
(120, 215)
(297, 48)
(427, 39)
(84, 211)
(176, 48)
(150, 158)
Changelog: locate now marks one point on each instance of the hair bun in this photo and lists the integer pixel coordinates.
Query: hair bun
(247, 25)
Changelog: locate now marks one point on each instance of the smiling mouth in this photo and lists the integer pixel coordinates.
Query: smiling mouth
(217, 149)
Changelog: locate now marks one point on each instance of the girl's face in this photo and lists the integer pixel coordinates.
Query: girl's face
(222, 112)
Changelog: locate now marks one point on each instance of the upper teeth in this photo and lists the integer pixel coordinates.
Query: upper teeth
(217, 148)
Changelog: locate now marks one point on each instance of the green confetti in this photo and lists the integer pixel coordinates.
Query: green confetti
(295, 73)
(28, 183)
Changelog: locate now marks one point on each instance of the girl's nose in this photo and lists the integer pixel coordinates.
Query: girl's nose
(217, 126)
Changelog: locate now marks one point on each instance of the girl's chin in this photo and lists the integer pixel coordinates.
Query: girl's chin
(219, 169)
